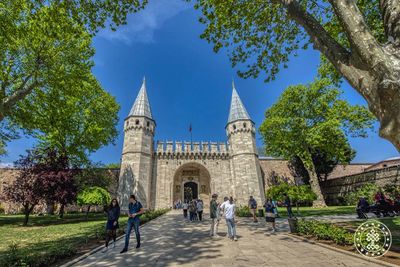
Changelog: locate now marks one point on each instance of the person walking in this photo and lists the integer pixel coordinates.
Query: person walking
(288, 203)
(253, 208)
(192, 210)
(269, 213)
(113, 212)
(185, 207)
(200, 209)
(275, 204)
(135, 209)
(195, 218)
(220, 214)
(213, 215)
(229, 209)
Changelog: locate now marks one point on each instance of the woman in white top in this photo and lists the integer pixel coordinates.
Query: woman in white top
(229, 209)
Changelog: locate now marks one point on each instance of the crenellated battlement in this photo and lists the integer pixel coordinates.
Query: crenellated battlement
(182, 148)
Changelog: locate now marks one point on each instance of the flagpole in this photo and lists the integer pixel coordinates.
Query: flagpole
(191, 136)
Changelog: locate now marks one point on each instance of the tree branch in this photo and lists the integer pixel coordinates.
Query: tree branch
(359, 35)
(345, 62)
(391, 19)
(19, 94)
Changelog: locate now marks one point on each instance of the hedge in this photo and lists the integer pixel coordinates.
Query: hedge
(325, 231)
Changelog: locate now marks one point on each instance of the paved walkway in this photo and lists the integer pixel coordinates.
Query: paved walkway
(171, 241)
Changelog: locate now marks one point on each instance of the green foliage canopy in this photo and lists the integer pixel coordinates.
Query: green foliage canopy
(261, 36)
(368, 191)
(93, 196)
(313, 117)
(302, 193)
(46, 83)
(78, 117)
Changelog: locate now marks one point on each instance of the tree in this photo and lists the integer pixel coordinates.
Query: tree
(58, 178)
(47, 42)
(309, 118)
(44, 177)
(93, 196)
(26, 188)
(323, 164)
(93, 175)
(367, 190)
(360, 40)
(77, 117)
(113, 165)
(297, 193)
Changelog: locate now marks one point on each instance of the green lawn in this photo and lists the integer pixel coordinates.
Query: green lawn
(309, 211)
(48, 239)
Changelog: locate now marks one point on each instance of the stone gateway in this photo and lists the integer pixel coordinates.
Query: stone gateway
(161, 174)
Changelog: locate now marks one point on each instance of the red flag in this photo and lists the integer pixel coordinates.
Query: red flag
(190, 128)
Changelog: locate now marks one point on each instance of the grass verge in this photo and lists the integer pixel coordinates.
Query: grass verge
(47, 239)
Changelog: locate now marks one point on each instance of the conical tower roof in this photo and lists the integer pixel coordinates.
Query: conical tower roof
(141, 107)
(237, 111)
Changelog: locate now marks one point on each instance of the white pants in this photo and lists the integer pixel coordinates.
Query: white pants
(214, 225)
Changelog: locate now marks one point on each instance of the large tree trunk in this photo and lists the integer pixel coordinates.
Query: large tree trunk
(391, 19)
(314, 182)
(371, 68)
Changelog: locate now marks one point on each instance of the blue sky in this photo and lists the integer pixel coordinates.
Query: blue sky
(188, 83)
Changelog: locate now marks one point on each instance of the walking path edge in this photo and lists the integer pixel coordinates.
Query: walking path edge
(383, 263)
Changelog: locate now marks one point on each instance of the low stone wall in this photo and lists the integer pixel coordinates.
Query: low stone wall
(336, 189)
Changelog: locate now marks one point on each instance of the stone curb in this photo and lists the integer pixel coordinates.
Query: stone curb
(93, 251)
(382, 263)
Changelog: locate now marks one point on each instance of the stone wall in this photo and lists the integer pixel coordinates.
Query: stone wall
(208, 161)
(336, 189)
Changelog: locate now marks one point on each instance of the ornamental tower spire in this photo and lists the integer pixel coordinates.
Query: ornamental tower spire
(237, 110)
(141, 106)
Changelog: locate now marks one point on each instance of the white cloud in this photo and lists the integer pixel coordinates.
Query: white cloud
(6, 165)
(142, 25)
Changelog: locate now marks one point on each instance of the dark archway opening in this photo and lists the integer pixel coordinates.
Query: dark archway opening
(190, 191)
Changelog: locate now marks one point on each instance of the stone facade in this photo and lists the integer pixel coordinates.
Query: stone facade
(161, 174)
(335, 190)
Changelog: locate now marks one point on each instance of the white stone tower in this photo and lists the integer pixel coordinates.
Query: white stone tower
(137, 153)
(245, 167)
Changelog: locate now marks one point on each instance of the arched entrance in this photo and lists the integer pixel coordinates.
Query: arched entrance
(191, 181)
(190, 191)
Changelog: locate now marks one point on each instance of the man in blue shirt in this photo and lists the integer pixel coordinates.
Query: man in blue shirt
(135, 210)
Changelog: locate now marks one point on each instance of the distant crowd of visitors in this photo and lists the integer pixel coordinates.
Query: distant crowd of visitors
(383, 206)
(194, 207)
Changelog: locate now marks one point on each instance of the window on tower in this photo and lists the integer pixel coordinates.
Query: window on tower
(244, 125)
(137, 122)
(234, 127)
